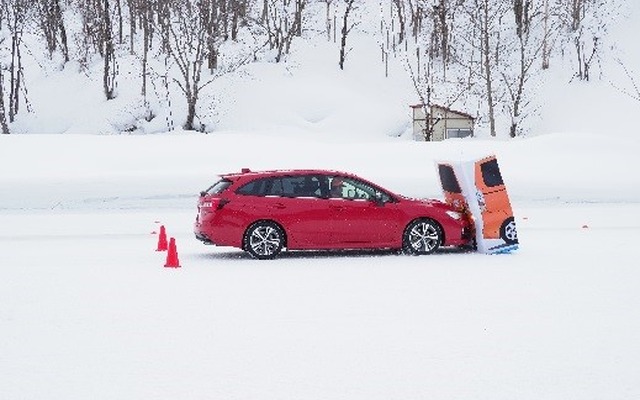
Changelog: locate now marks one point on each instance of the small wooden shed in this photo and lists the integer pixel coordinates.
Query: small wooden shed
(446, 123)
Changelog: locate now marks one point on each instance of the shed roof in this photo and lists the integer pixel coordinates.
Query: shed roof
(464, 114)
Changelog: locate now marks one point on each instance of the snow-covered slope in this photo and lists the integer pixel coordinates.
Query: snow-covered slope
(307, 95)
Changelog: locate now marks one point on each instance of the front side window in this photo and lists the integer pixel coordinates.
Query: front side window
(353, 189)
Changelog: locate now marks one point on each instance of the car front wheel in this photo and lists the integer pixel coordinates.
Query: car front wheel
(422, 236)
(264, 240)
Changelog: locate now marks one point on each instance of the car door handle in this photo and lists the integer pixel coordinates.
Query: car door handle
(337, 208)
(279, 206)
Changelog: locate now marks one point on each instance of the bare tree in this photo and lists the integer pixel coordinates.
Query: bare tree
(53, 28)
(417, 14)
(282, 21)
(399, 6)
(441, 14)
(545, 39)
(425, 87)
(328, 21)
(239, 13)
(16, 11)
(187, 45)
(346, 28)
(486, 17)
(4, 128)
(97, 37)
(110, 68)
(585, 22)
(633, 91)
(145, 13)
(528, 46)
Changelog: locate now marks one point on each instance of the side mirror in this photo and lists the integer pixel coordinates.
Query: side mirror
(203, 193)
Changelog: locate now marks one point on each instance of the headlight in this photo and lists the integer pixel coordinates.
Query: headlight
(454, 214)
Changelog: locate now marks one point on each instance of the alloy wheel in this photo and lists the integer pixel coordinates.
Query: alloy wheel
(422, 237)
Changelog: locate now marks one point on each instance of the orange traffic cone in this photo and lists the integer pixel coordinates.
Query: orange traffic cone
(172, 255)
(162, 240)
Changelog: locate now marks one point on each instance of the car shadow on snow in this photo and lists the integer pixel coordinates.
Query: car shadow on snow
(234, 254)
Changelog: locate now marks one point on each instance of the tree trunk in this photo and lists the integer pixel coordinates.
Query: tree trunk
(146, 36)
(545, 38)
(486, 50)
(517, 100)
(191, 114)
(4, 128)
(108, 77)
(401, 19)
(297, 25)
(328, 21)
(63, 32)
(345, 32)
(16, 65)
(119, 11)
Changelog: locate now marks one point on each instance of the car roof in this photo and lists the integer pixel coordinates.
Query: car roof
(246, 172)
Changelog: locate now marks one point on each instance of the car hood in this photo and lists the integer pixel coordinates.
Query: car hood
(427, 202)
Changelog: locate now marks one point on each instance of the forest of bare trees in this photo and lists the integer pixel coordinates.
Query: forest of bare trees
(453, 49)
(492, 50)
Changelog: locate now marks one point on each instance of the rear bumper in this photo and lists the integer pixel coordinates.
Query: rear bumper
(203, 238)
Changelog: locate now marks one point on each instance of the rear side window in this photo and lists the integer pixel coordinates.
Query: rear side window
(253, 188)
(269, 187)
(448, 178)
(219, 187)
(491, 173)
(285, 186)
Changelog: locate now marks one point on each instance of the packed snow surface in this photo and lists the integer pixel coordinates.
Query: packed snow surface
(87, 309)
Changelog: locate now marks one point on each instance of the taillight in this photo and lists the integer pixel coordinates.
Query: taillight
(213, 204)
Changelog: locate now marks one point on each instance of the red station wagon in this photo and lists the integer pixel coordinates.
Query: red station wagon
(267, 211)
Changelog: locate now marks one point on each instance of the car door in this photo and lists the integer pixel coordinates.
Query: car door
(279, 199)
(303, 211)
(363, 217)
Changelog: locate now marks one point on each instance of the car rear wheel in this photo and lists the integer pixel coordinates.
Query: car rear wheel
(264, 240)
(422, 236)
(508, 231)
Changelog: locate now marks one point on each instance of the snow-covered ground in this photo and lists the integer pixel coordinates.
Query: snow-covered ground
(87, 309)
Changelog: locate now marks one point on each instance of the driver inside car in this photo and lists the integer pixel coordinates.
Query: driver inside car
(336, 187)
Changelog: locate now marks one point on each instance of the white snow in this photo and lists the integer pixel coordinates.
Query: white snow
(87, 310)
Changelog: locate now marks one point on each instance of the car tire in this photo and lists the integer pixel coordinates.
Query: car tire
(508, 231)
(422, 236)
(264, 240)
